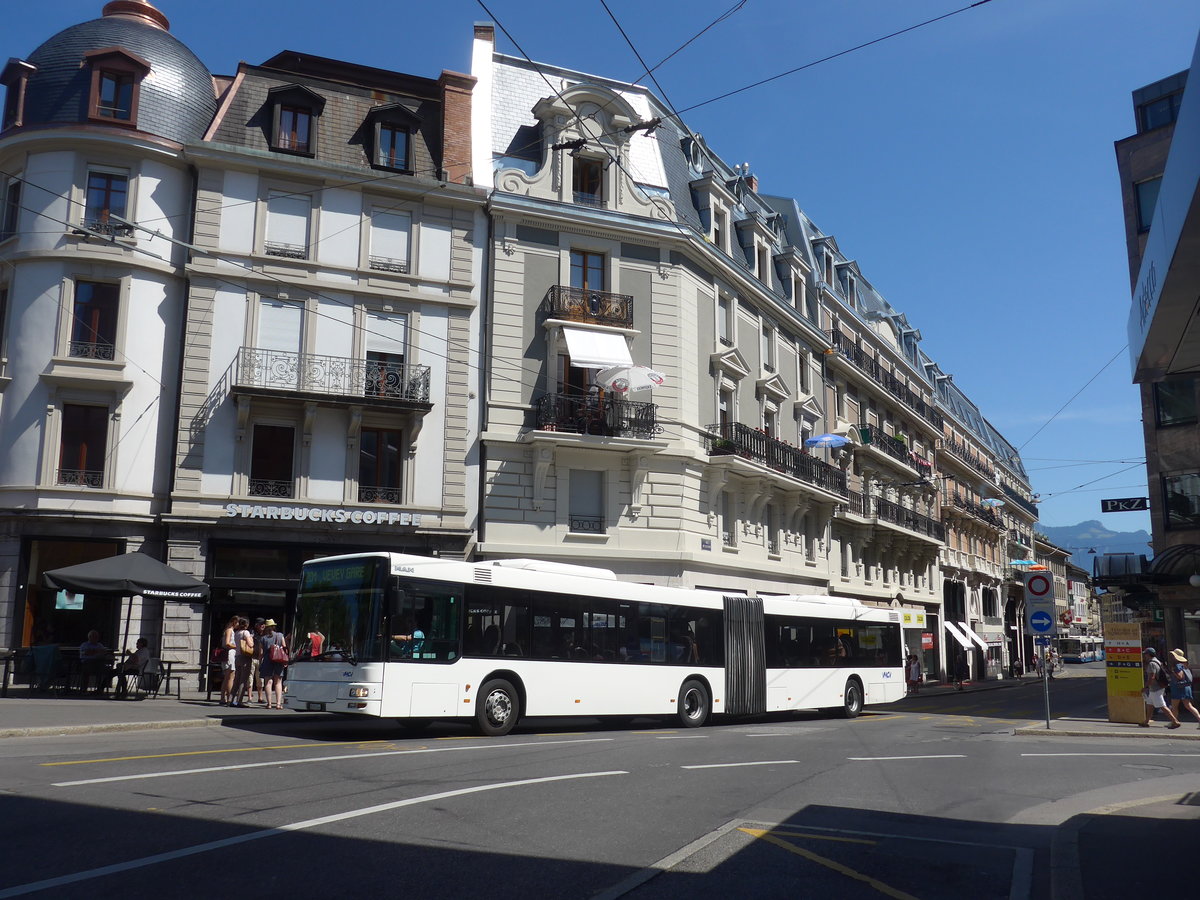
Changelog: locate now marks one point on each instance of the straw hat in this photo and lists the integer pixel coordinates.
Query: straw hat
(1179, 656)
(270, 623)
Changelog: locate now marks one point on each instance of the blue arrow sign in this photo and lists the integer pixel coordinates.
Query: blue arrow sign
(1041, 621)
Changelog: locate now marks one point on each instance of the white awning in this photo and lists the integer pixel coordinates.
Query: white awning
(972, 635)
(596, 349)
(959, 636)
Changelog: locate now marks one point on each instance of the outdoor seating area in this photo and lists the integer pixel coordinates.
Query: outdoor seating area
(53, 670)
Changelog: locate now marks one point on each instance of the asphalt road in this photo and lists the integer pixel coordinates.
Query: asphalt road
(933, 797)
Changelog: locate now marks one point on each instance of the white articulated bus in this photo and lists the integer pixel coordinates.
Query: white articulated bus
(418, 638)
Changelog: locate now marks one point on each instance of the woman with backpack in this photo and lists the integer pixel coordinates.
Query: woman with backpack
(1157, 682)
(1181, 685)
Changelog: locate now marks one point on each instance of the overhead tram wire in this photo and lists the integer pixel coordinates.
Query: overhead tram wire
(718, 20)
(1072, 398)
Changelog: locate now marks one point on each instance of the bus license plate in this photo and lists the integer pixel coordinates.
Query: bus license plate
(315, 707)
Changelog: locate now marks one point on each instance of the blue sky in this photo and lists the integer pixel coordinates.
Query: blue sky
(967, 166)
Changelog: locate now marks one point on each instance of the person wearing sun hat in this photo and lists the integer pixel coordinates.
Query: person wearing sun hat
(1154, 692)
(1181, 685)
(272, 671)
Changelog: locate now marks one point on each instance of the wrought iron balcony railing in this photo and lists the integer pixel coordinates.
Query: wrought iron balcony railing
(1020, 537)
(108, 228)
(894, 447)
(604, 416)
(736, 439)
(857, 504)
(369, 493)
(287, 251)
(981, 513)
(885, 379)
(585, 524)
(93, 478)
(1028, 505)
(597, 307)
(387, 264)
(92, 350)
(310, 373)
(265, 487)
(906, 518)
(955, 449)
(584, 198)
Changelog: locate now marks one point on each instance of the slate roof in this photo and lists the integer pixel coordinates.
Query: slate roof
(177, 99)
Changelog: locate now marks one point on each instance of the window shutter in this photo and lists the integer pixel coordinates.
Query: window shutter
(587, 487)
(287, 219)
(386, 333)
(279, 325)
(390, 235)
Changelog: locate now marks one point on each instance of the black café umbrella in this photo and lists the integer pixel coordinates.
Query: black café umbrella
(130, 574)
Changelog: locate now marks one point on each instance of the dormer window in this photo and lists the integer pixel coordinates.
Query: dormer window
(588, 181)
(392, 128)
(116, 82)
(15, 77)
(295, 113)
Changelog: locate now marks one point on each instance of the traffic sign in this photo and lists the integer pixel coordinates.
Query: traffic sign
(1039, 604)
(1042, 641)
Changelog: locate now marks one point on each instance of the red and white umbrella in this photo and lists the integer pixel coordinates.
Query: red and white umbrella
(623, 379)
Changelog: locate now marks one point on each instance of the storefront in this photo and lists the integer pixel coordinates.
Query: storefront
(42, 615)
(920, 630)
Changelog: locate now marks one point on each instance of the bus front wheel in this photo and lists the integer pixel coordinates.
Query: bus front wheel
(498, 708)
(693, 704)
(852, 699)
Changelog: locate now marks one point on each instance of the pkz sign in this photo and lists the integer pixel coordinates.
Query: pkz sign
(1125, 504)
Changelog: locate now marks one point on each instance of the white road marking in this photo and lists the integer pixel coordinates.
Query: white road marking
(681, 737)
(939, 756)
(767, 762)
(1184, 755)
(315, 759)
(772, 734)
(89, 874)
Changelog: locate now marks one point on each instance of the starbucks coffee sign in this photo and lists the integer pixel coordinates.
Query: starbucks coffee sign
(318, 515)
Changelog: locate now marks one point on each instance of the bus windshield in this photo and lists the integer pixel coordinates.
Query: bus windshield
(339, 610)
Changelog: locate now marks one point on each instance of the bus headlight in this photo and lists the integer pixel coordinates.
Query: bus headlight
(360, 692)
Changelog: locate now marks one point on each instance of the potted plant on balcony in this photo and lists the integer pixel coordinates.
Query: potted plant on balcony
(722, 447)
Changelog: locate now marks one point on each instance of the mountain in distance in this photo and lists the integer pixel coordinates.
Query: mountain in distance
(1091, 535)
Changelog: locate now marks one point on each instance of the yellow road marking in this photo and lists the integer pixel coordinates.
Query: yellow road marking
(759, 832)
(81, 762)
(874, 718)
(831, 864)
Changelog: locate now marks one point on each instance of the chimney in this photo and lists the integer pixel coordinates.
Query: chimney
(485, 31)
(456, 124)
(752, 182)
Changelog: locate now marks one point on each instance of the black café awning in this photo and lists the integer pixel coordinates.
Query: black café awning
(132, 573)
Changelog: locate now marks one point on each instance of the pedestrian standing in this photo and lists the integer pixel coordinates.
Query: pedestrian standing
(961, 672)
(256, 681)
(228, 659)
(271, 667)
(912, 673)
(1181, 685)
(242, 663)
(1154, 690)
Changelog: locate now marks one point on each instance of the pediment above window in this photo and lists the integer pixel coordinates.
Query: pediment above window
(117, 57)
(395, 114)
(772, 387)
(297, 94)
(731, 363)
(604, 109)
(807, 408)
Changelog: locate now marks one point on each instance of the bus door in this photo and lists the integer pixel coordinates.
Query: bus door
(745, 657)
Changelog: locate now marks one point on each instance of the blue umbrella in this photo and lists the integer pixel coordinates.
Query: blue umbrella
(826, 440)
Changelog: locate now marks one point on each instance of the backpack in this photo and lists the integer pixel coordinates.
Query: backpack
(1161, 679)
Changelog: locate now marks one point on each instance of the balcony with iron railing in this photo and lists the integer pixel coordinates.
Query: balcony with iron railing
(595, 307)
(92, 478)
(896, 514)
(736, 439)
(92, 350)
(267, 487)
(885, 379)
(982, 513)
(874, 436)
(603, 416)
(373, 493)
(1028, 505)
(285, 250)
(388, 264)
(1020, 537)
(960, 452)
(374, 382)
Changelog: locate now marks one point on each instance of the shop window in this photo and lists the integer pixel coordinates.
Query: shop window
(288, 216)
(1182, 496)
(295, 114)
(587, 181)
(94, 320)
(106, 197)
(586, 513)
(379, 459)
(272, 457)
(82, 445)
(391, 238)
(1175, 402)
(116, 83)
(11, 212)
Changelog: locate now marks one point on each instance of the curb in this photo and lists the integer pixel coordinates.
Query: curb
(207, 722)
(1093, 733)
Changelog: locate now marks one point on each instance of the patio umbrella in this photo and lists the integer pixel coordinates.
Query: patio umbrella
(623, 379)
(128, 575)
(827, 440)
(991, 503)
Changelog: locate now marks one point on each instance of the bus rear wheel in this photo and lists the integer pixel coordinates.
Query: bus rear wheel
(498, 708)
(693, 705)
(852, 699)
